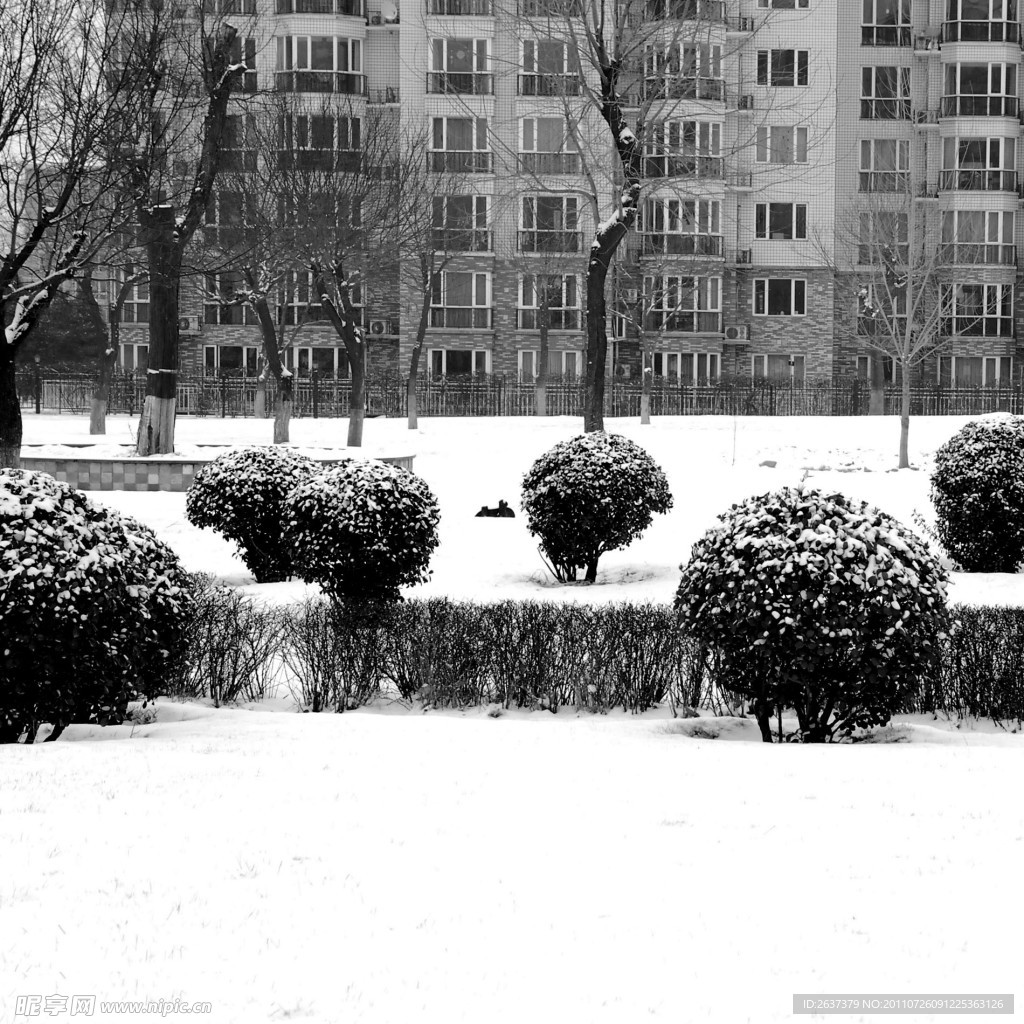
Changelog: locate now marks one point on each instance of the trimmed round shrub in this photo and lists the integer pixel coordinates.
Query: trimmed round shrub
(241, 495)
(978, 494)
(362, 530)
(589, 495)
(817, 603)
(93, 608)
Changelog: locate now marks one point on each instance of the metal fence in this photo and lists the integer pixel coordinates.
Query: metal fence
(496, 395)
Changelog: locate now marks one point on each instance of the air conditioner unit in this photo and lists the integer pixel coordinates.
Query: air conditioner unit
(737, 332)
(743, 256)
(746, 102)
(380, 327)
(376, 19)
(190, 325)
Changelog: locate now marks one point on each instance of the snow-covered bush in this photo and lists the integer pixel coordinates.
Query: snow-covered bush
(815, 602)
(589, 495)
(362, 529)
(978, 493)
(93, 608)
(241, 495)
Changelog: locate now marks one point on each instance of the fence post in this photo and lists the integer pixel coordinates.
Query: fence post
(38, 385)
(314, 377)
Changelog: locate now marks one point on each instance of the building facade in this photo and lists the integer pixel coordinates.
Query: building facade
(772, 126)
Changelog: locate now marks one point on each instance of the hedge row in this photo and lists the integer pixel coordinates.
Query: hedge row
(528, 655)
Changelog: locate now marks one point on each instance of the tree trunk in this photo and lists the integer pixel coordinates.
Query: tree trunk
(591, 576)
(282, 409)
(904, 419)
(876, 393)
(259, 401)
(763, 715)
(108, 359)
(10, 414)
(156, 428)
(597, 332)
(357, 399)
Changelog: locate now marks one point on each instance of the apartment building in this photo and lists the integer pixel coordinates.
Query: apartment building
(770, 124)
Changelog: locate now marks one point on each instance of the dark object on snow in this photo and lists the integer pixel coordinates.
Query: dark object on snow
(770, 463)
(501, 512)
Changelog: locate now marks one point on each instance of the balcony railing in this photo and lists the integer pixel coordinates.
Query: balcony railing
(460, 317)
(535, 240)
(994, 253)
(978, 326)
(345, 82)
(344, 160)
(558, 319)
(884, 181)
(978, 179)
(686, 321)
(684, 166)
(685, 10)
(986, 31)
(389, 94)
(890, 109)
(551, 8)
(461, 239)
(459, 161)
(886, 35)
(479, 8)
(979, 106)
(869, 254)
(549, 163)
(674, 243)
(668, 87)
(463, 83)
(353, 8)
(549, 84)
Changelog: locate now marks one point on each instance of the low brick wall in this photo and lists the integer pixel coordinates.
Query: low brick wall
(93, 474)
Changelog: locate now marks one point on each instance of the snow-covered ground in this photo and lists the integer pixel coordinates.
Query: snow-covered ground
(388, 866)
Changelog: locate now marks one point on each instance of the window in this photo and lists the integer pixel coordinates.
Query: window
(459, 8)
(883, 232)
(782, 67)
(986, 90)
(459, 144)
(230, 360)
(885, 93)
(353, 8)
(777, 144)
(324, 360)
(460, 66)
(562, 293)
(565, 363)
(881, 311)
(320, 209)
(884, 164)
(296, 298)
(238, 148)
(977, 236)
(885, 23)
(977, 310)
(787, 369)
(243, 50)
(135, 309)
(975, 371)
(685, 304)
(979, 163)
(550, 224)
(684, 71)
(454, 361)
(134, 357)
(319, 64)
(459, 223)
(687, 367)
(546, 70)
(227, 220)
(783, 5)
(547, 146)
(780, 296)
(683, 148)
(780, 221)
(984, 21)
(225, 302)
(866, 363)
(681, 227)
(319, 142)
(460, 299)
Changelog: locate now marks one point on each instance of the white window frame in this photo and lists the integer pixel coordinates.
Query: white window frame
(289, 56)
(440, 289)
(884, 108)
(872, 30)
(801, 68)
(248, 351)
(564, 160)
(796, 360)
(994, 296)
(481, 140)
(991, 370)
(528, 300)
(479, 356)
(672, 360)
(559, 355)
(215, 313)
(783, 5)
(764, 148)
(668, 151)
(797, 295)
(998, 231)
(136, 296)
(133, 347)
(870, 172)
(294, 356)
(481, 215)
(762, 212)
(704, 291)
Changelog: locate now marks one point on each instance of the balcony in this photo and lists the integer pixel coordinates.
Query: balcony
(559, 319)
(549, 163)
(462, 83)
(685, 10)
(981, 31)
(689, 88)
(739, 25)
(458, 161)
(536, 240)
(551, 8)
(344, 82)
(686, 321)
(352, 8)
(977, 179)
(549, 85)
(467, 8)
(465, 318)
(460, 239)
(979, 106)
(992, 253)
(684, 166)
(978, 326)
(675, 243)
(887, 109)
(886, 35)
